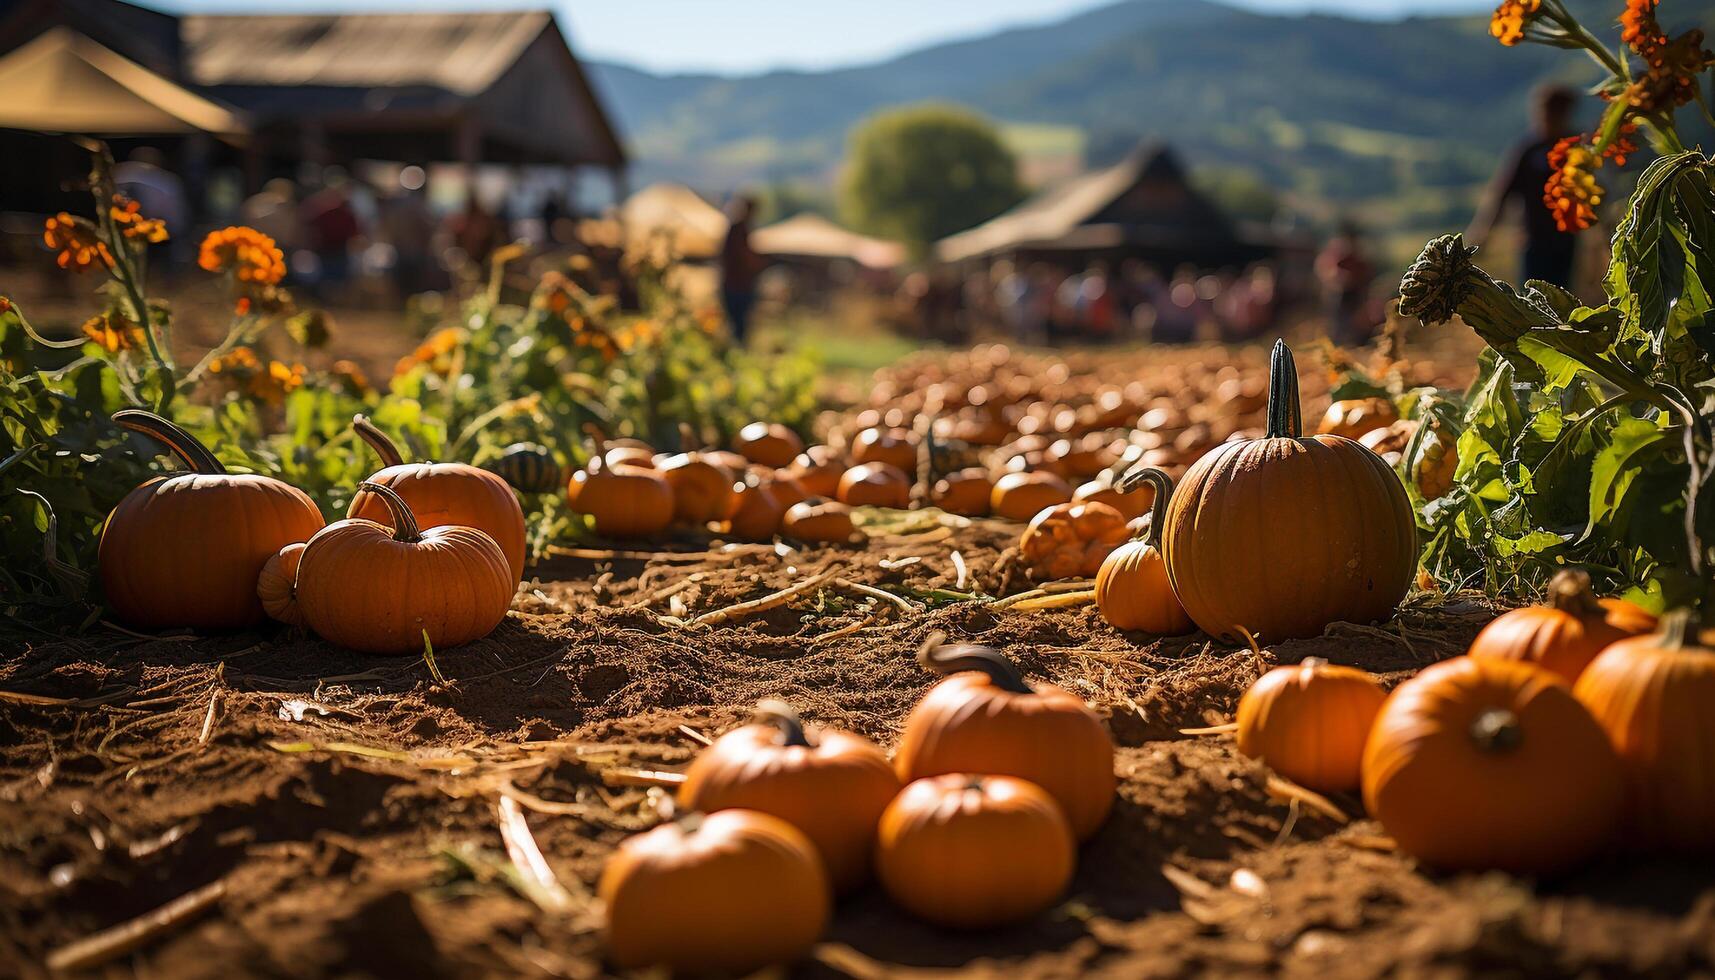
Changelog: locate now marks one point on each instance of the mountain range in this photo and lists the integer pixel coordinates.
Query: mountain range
(1401, 121)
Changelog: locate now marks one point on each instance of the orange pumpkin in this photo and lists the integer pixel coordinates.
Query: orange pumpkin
(1082, 458)
(186, 551)
(1652, 695)
(756, 512)
(443, 494)
(1132, 591)
(895, 447)
(1133, 504)
(702, 491)
(1480, 764)
(832, 785)
(1389, 441)
(1309, 722)
(819, 522)
(818, 470)
(964, 492)
(974, 851)
(1021, 496)
(1071, 540)
(277, 585)
(629, 453)
(875, 485)
(1285, 534)
(986, 718)
(726, 892)
(622, 501)
(768, 443)
(383, 588)
(1568, 633)
(1354, 417)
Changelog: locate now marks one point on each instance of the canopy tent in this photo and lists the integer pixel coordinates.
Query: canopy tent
(695, 226)
(63, 82)
(813, 236)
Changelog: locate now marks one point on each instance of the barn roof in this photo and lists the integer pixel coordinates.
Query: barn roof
(63, 82)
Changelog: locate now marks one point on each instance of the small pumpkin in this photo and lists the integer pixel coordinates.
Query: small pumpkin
(1568, 633)
(974, 851)
(1652, 695)
(1389, 441)
(895, 447)
(622, 501)
(1309, 722)
(1285, 534)
(1479, 764)
(1081, 458)
(964, 492)
(185, 551)
(818, 470)
(1132, 590)
(727, 892)
(381, 588)
(768, 443)
(1132, 504)
(440, 494)
(277, 585)
(832, 785)
(529, 468)
(628, 452)
(986, 718)
(702, 490)
(875, 485)
(1071, 540)
(1021, 496)
(1353, 417)
(819, 522)
(756, 513)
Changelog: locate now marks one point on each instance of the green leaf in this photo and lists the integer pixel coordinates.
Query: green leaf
(1617, 467)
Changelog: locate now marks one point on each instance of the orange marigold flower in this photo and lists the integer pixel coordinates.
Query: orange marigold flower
(113, 333)
(276, 382)
(1510, 19)
(1572, 194)
(1638, 26)
(1671, 80)
(127, 216)
(237, 361)
(77, 241)
(251, 256)
(436, 351)
(5, 305)
(349, 374)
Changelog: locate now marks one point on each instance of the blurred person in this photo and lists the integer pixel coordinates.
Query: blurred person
(475, 231)
(1247, 307)
(741, 266)
(1096, 302)
(1345, 273)
(1178, 310)
(1549, 253)
(273, 211)
(159, 193)
(408, 225)
(331, 226)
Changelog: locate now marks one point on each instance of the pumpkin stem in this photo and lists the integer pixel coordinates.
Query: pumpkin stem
(1680, 628)
(404, 522)
(773, 711)
(598, 451)
(185, 446)
(691, 822)
(1163, 485)
(1285, 415)
(943, 658)
(1569, 592)
(377, 440)
(1497, 730)
(688, 441)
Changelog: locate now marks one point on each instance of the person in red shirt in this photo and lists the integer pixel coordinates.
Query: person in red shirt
(741, 266)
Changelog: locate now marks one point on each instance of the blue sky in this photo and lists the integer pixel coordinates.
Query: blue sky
(743, 36)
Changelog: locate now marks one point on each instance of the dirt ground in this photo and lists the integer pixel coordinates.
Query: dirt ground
(344, 809)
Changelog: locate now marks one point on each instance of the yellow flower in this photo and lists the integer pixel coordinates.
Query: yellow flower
(274, 384)
(237, 361)
(1510, 19)
(436, 351)
(113, 333)
(127, 216)
(251, 256)
(77, 241)
(1572, 194)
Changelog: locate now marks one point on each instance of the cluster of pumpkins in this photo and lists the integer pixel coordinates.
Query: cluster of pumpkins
(1564, 729)
(974, 823)
(428, 552)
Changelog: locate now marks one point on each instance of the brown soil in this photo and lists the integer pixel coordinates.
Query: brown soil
(338, 860)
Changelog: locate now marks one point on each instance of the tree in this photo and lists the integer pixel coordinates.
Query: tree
(920, 173)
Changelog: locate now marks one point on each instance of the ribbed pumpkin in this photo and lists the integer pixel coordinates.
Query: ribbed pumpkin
(277, 585)
(1309, 722)
(1480, 764)
(875, 485)
(964, 492)
(726, 892)
(974, 851)
(379, 588)
(702, 490)
(1655, 697)
(895, 447)
(1285, 534)
(986, 718)
(456, 494)
(623, 501)
(832, 785)
(768, 443)
(1021, 496)
(1568, 633)
(1354, 417)
(819, 522)
(1071, 540)
(185, 551)
(1132, 590)
(528, 468)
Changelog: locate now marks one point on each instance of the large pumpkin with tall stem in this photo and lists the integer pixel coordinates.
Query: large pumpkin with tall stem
(1309, 722)
(1484, 764)
(727, 892)
(1132, 590)
(986, 718)
(186, 551)
(383, 588)
(974, 851)
(1654, 697)
(1568, 633)
(1285, 534)
(832, 785)
(443, 494)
